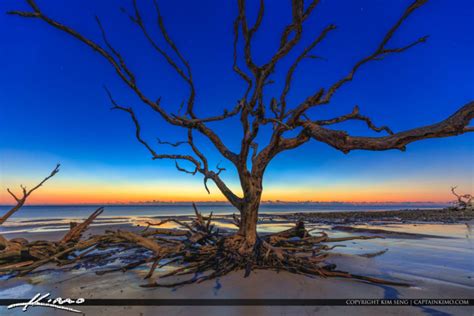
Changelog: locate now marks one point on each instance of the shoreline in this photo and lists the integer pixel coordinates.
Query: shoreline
(437, 267)
(435, 257)
(43, 226)
(446, 216)
(415, 214)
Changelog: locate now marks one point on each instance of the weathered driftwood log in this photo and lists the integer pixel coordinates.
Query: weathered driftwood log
(141, 241)
(3, 242)
(77, 230)
(18, 252)
(165, 231)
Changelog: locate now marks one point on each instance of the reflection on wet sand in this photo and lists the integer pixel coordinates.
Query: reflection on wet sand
(414, 253)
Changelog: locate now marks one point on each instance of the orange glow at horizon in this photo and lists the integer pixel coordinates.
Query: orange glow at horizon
(81, 194)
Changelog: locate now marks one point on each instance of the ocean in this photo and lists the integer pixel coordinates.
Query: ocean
(47, 212)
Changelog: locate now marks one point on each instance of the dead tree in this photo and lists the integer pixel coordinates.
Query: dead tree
(11, 250)
(463, 200)
(286, 120)
(20, 201)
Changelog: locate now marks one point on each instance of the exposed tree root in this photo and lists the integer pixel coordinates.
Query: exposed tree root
(199, 250)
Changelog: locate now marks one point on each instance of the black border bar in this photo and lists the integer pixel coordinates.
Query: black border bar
(263, 302)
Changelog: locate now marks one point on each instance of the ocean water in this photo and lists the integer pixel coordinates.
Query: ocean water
(48, 212)
(54, 218)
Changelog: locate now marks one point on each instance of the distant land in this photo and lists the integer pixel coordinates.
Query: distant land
(268, 202)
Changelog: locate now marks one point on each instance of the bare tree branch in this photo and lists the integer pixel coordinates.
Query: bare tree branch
(25, 194)
(454, 125)
(381, 50)
(322, 97)
(226, 114)
(13, 195)
(137, 19)
(153, 153)
(176, 144)
(303, 55)
(235, 66)
(354, 115)
(116, 53)
(255, 105)
(184, 169)
(247, 35)
(170, 41)
(197, 151)
(233, 198)
(96, 47)
(296, 27)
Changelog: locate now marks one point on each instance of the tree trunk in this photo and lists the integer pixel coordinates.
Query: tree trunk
(4, 218)
(249, 211)
(248, 221)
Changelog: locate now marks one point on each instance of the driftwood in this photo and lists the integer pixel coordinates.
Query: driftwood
(15, 249)
(197, 248)
(464, 201)
(19, 250)
(76, 230)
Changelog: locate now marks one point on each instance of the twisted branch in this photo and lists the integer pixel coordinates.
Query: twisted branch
(454, 125)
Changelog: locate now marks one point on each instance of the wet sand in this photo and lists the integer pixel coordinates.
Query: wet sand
(261, 284)
(437, 259)
(446, 215)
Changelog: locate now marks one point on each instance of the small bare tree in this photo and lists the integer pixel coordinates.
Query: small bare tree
(252, 111)
(20, 201)
(464, 201)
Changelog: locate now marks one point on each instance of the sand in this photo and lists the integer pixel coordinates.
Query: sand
(436, 267)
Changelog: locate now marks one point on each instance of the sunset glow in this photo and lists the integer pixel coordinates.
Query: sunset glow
(67, 192)
(54, 109)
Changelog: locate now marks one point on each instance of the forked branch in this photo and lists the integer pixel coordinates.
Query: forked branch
(203, 169)
(20, 201)
(463, 200)
(381, 51)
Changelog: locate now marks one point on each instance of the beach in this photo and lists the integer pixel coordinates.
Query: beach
(434, 257)
(255, 158)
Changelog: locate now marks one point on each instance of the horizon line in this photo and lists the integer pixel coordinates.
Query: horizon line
(141, 203)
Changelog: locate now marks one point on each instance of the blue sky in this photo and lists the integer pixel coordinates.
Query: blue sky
(53, 106)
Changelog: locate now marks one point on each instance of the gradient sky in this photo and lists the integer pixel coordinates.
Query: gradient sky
(53, 107)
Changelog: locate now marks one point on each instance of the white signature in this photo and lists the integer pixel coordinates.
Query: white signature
(45, 301)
